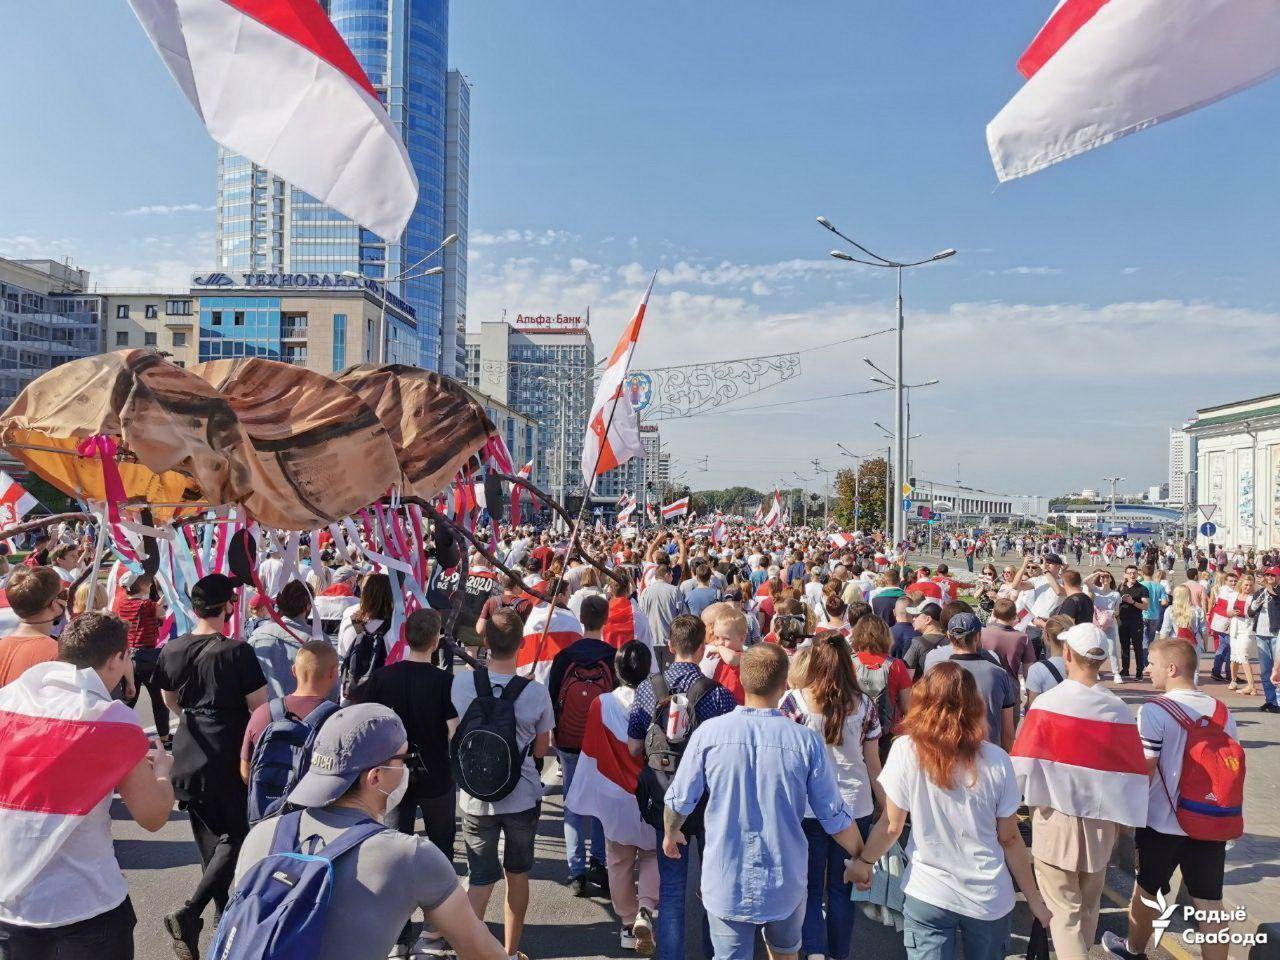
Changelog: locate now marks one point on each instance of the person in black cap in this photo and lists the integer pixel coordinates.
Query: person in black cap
(214, 682)
(358, 773)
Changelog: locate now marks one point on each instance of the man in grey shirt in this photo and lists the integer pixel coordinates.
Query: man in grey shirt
(661, 602)
(358, 774)
(998, 689)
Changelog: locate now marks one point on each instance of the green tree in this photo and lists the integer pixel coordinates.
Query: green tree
(872, 475)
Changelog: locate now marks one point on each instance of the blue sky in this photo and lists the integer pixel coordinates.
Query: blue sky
(1091, 306)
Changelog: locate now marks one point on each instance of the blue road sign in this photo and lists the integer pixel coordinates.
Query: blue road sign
(907, 504)
(1208, 529)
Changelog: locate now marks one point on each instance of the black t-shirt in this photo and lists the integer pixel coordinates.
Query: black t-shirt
(419, 693)
(1129, 613)
(1077, 606)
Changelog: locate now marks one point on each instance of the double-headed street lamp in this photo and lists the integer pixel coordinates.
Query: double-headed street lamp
(885, 381)
(857, 458)
(404, 276)
(875, 260)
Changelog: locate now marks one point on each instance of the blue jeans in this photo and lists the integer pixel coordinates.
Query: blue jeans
(1150, 630)
(929, 933)
(736, 939)
(673, 882)
(1222, 658)
(1266, 661)
(576, 826)
(829, 936)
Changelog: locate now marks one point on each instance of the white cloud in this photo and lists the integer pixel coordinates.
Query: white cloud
(1033, 271)
(162, 209)
(544, 238)
(1129, 270)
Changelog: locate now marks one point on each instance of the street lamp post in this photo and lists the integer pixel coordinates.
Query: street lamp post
(899, 412)
(804, 501)
(1113, 481)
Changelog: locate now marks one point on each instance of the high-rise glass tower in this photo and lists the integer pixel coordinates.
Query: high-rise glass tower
(265, 224)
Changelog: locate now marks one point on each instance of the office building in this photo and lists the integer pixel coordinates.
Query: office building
(1181, 460)
(46, 319)
(317, 320)
(453, 338)
(518, 432)
(266, 225)
(543, 367)
(957, 501)
(1236, 452)
(162, 320)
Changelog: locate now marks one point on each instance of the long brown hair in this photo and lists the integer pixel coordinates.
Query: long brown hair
(376, 602)
(833, 683)
(947, 722)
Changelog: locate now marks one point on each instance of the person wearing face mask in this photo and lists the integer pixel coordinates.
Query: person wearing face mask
(360, 765)
(214, 682)
(35, 596)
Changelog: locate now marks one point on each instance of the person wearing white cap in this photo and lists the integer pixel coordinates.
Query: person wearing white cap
(359, 772)
(1079, 764)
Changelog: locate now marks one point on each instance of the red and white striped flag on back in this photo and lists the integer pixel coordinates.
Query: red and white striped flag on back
(1078, 752)
(677, 508)
(273, 80)
(613, 428)
(536, 651)
(64, 746)
(1100, 70)
(15, 501)
(604, 782)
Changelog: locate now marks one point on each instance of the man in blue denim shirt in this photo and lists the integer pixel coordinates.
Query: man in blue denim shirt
(758, 769)
(687, 641)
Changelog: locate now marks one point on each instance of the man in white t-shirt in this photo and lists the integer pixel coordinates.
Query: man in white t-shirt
(1162, 845)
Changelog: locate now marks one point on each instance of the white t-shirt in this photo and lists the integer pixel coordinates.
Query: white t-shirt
(847, 761)
(1163, 737)
(348, 631)
(1039, 679)
(954, 858)
(1043, 600)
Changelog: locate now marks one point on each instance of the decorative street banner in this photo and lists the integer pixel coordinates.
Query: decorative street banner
(674, 392)
(1218, 487)
(1245, 502)
(1275, 496)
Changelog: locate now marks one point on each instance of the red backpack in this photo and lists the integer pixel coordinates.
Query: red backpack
(582, 684)
(1211, 789)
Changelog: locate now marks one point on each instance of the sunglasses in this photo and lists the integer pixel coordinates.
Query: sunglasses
(412, 761)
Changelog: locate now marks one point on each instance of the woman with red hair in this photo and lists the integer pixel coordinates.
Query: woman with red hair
(963, 797)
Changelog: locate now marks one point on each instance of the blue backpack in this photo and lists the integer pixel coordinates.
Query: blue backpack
(281, 906)
(282, 756)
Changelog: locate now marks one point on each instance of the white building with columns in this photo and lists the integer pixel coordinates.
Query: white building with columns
(1237, 479)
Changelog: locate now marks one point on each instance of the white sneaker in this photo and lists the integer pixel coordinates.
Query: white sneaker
(642, 928)
(627, 938)
(431, 944)
(399, 951)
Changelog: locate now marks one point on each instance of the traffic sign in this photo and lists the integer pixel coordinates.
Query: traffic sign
(907, 504)
(1207, 510)
(1208, 529)
(907, 489)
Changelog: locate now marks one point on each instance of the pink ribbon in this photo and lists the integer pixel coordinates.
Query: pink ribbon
(104, 449)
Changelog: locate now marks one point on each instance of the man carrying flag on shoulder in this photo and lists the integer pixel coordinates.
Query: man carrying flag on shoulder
(1079, 762)
(547, 631)
(65, 746)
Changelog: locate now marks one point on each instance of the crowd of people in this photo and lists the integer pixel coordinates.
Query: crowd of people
(809, 713)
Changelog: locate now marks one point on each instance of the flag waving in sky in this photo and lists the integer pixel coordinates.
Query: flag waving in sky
(1102, 69)
(613, 429)
(676, 508)
(15, 501)
(273, 80)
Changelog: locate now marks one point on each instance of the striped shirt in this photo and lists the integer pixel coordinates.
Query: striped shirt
(143, 619)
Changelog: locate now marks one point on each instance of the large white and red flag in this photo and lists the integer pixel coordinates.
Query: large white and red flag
(774, 517)
(1078, 752)
(15, 501)
(273, 80)
(719, 530)
(626, 507)
(676, 508)
(517, 492)
(613, 428)
(840, 540)
(537, 650)
(64, 746)
(604, 782)
(1101, 69)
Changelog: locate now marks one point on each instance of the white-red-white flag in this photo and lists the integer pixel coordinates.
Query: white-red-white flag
(840, 540)
(1078, 752)
(626, 507)
(1100, 70)
(774, 517)
(676, 508)
(613, 429)
(15, 501)
(537, 650)
(274, 81)
(604, 782)
(64, 747)
(718, 531)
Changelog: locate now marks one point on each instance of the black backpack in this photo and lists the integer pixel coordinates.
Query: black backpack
(367, 654)
(662, 757)
(484, 753)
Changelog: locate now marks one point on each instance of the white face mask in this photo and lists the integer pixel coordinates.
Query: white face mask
(397, 794)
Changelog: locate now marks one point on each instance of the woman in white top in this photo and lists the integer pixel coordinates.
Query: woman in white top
(963, 798)
(1243, 643)
(1101, 586)
(827, 700)
(589, 581)
(372, 615)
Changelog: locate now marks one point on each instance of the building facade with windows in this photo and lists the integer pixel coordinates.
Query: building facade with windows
(266, 225)
(1181, 466)
(46, 319)
(457, 166)
(957, 501)
(162, 320)
(518, 432)
(318, 321)
(1237, 463)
